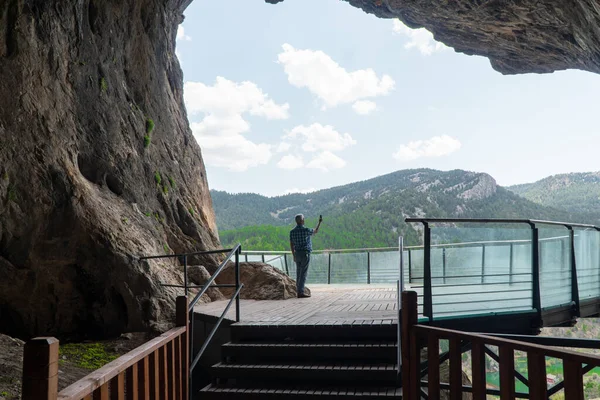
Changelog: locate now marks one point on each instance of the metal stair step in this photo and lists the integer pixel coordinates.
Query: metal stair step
(308, 374)
(317, 333)
(223, 392)
(259, 352)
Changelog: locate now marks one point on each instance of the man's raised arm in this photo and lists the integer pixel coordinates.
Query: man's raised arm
(319, 224)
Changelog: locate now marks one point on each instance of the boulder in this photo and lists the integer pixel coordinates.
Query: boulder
(198, 275)
(261, 282)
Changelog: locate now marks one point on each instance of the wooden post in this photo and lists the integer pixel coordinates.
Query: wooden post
(40, 369)
(410, 357)
(183, 319)
(433, 367)
(507, 372)
(478, 368)
(536, 367)
(455, 369)
(573, 380)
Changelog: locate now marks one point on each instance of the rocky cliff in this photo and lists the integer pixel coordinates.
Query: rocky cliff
(518, 36)
(97, 165)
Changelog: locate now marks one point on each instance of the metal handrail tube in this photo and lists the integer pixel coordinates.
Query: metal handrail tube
(530, 222)
(197, 253)
(208, 283)
(214, 330)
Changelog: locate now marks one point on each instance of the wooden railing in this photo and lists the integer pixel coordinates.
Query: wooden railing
(159, 369)
(415, 336)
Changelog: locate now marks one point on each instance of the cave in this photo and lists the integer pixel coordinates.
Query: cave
(83, 171)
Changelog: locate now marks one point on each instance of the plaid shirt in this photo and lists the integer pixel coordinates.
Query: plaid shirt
(300, 238)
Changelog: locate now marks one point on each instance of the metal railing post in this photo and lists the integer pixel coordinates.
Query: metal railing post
(185, 274)
(444, 265)
(511, 265)
(237, 284)
(263, 258)
(482, 263)
(535, 270)
(427, 293)
(287, 269)
(409, 267)
(329, 269)
(401, 280)
(574, 283)
(368, 267)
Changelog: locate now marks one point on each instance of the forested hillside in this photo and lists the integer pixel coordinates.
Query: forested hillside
(577, 192)
(371, 213)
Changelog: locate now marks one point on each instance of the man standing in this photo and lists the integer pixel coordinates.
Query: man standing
(301, 244)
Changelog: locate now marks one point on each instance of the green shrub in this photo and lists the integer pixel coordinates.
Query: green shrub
(191, 210)
(147, 141)
(12, 194)
(149, 126)
(103, 85)
(157, 178)
(171, 181)
(165, 189)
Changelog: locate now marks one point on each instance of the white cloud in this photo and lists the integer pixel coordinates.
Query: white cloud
(326, 161)
(290, 161)
(296, 190)
(220, 131)
(437, 146)
(234, 152)
(229, 98)
(325, 78)
(181, 36)
(420, 38)
(283, 147)
(364, 107)
(317, 137)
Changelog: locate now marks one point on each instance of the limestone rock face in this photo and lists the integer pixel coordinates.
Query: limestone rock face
(261, 282)
(97, 166)
(517, 36)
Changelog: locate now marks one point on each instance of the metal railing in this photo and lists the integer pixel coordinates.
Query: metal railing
(231, 253)
(548, 265)
(365, 265)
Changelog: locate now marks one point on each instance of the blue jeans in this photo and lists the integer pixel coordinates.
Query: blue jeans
(302, 261)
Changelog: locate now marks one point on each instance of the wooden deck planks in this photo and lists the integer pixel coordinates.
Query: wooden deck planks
(329, 305)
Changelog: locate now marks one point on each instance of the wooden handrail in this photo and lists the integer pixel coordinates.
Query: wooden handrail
(96, 379)
(442, 333)
(414, 335)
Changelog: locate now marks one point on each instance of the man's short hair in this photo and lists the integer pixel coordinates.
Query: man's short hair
(299, 217)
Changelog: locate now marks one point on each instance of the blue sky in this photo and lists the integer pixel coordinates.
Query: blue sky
(310, 94)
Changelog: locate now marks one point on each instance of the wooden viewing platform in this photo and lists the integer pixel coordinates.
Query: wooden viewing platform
(329, 305)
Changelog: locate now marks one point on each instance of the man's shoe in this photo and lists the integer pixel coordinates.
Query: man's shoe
(303, 295)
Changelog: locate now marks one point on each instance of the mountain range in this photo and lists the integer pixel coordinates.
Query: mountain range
(371, 213)
(575, 192)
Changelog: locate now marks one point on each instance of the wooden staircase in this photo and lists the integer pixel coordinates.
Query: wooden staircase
(306, 362)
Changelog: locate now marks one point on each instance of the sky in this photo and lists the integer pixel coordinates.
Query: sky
(310, 94)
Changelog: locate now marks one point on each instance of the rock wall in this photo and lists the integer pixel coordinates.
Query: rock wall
(518, 36)
(97, 166)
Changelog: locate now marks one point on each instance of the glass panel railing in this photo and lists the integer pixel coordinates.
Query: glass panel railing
(349, 268)
(587, 255)
(555, 266)
(480, 276)
(318, 270)
(385, 266)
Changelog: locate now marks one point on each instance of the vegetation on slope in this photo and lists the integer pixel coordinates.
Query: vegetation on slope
(577, 192)
(371, 213)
